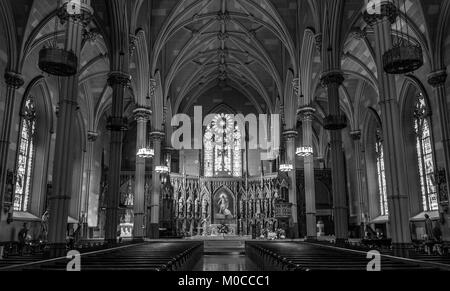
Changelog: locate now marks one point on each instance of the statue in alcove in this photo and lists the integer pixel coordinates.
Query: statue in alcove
(189, 207)
(196, 207)
(181, 207)
(205, 204)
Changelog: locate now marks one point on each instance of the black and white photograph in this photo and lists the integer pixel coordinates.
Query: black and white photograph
(225, 143)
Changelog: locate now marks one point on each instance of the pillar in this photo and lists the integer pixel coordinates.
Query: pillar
(290, 136)
(117, 124)
(437, 81)
(396, 187)
(63, 164)
(360, 181)
(92, 137)
(332, 80)
(142, 115)
(157, 137)
(13, 82)
(307, 114)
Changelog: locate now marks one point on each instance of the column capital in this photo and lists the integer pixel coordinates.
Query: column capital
(119, 78)
(306, 112)
(92, 136)
(157, 135)
(290, 133)
(437, 78)
(332, 77)
(142, 113)
(356, 135)
(385, 9)
(79, 12)
(14, 80)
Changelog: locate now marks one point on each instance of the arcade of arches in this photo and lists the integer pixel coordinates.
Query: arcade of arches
(68, 145)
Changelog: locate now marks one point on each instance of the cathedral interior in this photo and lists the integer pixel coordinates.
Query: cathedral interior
(234, 135)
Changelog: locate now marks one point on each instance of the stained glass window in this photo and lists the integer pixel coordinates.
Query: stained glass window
(222, 147)
(381, 173)
(425, 155)
(25, 156)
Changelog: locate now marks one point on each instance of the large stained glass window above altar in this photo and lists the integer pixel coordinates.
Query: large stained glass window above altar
(222, 147)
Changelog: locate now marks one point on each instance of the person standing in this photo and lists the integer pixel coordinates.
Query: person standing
(23, 233)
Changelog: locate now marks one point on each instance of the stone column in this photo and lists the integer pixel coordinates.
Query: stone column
(142, 115)
(290, 136)
(157, 137)
(332, 80)
(92, 137)
(307, 114)
(13, 82)
(437, 81)
(62, 167)
(360, 192)
(117, 124)
(398, 202)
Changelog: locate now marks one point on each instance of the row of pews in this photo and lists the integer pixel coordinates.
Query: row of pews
(298, 256)
(155, 256)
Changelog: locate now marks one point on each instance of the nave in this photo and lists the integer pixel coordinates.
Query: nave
(193, 256)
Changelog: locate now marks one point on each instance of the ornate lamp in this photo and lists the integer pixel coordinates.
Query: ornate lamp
(58, 62)
(304, 151)
(404, 56)
(163, 169)
(286, 168)
(145, 153)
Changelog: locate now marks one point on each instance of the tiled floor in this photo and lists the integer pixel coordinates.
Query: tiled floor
(225, 263)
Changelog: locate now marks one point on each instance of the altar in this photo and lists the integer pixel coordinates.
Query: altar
(226, 207)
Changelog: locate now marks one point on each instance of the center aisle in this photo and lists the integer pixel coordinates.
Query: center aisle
(225, 262)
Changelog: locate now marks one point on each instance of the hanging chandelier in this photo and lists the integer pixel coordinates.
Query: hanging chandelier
(57, 61)
(335, 122)
(304, 151)
(145, 153)
(404, 56)
(286, 168)
(162, 169)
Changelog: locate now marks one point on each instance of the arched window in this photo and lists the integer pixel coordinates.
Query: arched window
(381, 172)
(25, 155)
(424, 151)
(222, 147)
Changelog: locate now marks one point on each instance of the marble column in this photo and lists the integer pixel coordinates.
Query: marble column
(13, 82)
(117, 124)
(63, 164)
(92, 137)
(142, 115)
(396, 187)
(306, 115)
(437, 81)
(360, 183)
(157, 137)
(332, 80)
(290, 136)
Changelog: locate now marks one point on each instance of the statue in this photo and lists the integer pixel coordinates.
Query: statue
(189, 207)
(223, 205)
(196, 207)
(44, 226)
(181, 207)
(204, 207)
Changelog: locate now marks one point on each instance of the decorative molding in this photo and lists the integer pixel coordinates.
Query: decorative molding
(14, 80)
(438, 78)
(356, 135)
(290, 133)
(388, 10)
(84, 15)
(92, 136)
